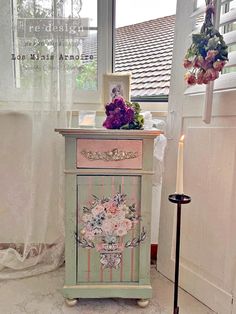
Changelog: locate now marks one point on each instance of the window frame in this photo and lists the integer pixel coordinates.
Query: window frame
(105, 48)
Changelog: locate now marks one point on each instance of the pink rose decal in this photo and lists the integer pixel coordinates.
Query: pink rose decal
(104, 225)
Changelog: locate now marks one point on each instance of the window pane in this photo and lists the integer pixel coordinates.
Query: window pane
(232, 4)
(144, 44)
(54, 37)
(229, 28)
(200, 3)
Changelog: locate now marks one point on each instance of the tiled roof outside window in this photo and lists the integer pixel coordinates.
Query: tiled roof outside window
(145, 49)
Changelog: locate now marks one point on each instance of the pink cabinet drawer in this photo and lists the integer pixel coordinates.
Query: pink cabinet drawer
(124, 154)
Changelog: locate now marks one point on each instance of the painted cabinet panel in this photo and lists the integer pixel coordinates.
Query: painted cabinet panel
(109, 228)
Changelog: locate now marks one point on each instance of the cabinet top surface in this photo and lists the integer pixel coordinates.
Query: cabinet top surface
(109, 133)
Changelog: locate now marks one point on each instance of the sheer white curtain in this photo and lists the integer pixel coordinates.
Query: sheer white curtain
(35, 96)
(31, 189)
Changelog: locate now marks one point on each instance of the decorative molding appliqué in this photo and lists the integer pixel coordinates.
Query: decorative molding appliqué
(112, 155)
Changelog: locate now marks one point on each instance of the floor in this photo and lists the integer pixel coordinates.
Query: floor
(41, 295)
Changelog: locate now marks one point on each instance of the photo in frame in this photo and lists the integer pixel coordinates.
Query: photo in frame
(116, 84)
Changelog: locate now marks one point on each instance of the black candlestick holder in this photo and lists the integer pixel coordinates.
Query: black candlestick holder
(178, 199)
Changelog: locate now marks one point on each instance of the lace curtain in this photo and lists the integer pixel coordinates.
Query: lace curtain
(35, 98)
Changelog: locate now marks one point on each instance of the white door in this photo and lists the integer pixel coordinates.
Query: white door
(208, 234)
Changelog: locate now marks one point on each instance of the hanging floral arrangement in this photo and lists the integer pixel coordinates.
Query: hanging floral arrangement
(208, 52)
(122, 114)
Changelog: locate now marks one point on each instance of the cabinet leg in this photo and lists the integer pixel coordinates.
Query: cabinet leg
(71, 302)
(143, 302)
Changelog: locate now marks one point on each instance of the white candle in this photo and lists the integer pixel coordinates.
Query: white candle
(180, 165)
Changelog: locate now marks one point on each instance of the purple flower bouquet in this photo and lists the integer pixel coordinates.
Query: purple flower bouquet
(122, 114)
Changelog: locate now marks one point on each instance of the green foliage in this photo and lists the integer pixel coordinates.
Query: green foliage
(138, 122)
(87, 77)
(26, 8)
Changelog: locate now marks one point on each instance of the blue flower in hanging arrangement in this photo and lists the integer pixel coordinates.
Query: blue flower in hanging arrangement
(208, 52)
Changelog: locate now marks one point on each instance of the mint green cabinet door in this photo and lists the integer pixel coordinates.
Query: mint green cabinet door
(108, 228)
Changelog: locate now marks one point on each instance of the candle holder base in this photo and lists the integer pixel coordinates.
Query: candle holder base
(179, 198)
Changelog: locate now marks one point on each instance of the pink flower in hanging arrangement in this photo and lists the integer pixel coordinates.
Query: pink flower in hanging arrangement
(187, 64)
(190, 78)
(210, 75)
(200, 77)
(199, 62)
(122, 114)
(208, 53)
(218, 65)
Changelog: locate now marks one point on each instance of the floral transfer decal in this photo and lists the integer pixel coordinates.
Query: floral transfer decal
(107, 220)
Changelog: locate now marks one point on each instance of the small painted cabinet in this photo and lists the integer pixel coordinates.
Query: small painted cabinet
(108, 198)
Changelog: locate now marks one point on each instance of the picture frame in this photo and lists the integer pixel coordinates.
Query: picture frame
(116, 84)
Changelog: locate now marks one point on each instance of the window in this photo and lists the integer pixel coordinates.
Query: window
(230, 30)
(66, 42)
